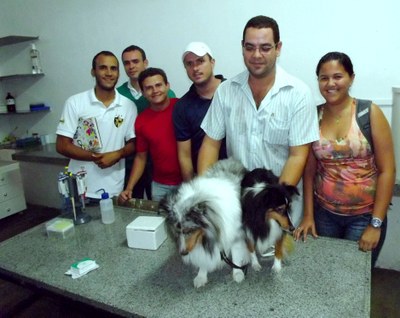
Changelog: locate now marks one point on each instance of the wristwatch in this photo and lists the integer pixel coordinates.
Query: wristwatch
(376, 222)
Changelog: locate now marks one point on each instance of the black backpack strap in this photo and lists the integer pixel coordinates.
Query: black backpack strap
(363, 119)
(319, 107)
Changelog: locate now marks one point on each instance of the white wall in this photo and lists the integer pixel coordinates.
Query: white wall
(72, 32)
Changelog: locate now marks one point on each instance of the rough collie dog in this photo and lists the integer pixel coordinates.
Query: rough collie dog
(206, 216)
(266, 214)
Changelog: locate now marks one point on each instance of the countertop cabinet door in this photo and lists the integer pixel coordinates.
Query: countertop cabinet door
(12, 198)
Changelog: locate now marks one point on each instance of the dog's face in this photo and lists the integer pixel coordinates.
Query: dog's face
(263, 198)
(189, 223)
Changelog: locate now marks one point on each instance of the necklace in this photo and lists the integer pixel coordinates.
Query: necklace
(338, 117)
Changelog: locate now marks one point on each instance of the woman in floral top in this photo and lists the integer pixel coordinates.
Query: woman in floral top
(347, 185)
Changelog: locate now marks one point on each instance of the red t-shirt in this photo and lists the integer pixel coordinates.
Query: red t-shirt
(155, 135)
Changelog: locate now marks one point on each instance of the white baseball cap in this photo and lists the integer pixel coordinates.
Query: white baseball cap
(198, 48)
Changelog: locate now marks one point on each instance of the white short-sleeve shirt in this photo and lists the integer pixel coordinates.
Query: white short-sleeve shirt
(116, 126)
(261, 137)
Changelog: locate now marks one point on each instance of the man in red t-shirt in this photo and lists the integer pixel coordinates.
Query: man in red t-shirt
(155, 135)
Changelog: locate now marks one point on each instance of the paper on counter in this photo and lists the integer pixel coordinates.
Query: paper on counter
(82, 267)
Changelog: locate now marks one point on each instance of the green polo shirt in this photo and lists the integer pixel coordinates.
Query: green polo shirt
(141, 102)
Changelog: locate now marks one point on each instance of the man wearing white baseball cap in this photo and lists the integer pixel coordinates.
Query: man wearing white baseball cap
(190, 110)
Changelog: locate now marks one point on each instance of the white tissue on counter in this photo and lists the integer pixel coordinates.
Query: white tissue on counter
(82, 267)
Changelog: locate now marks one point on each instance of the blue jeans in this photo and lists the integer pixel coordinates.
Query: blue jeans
(159, 190)
(346, 227)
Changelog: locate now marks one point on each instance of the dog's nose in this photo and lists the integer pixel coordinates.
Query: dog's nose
(184, 252)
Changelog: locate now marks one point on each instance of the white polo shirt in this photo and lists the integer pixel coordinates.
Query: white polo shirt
(116, 126)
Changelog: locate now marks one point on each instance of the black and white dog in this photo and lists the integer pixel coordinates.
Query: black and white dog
(266, 214)
(206, 216)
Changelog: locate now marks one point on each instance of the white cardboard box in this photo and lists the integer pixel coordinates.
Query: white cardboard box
(146, 232)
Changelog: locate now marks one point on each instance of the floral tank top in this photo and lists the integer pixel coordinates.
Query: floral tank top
(345, 180)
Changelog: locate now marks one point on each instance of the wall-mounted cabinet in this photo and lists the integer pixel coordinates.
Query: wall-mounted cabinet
(12, 197)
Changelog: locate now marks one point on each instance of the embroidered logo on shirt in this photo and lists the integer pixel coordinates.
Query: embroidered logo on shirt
(118, 120)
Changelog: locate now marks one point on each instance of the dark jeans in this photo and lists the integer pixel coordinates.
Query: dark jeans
(144, 184)
(346, 227)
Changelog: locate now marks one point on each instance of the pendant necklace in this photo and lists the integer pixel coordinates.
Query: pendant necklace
(339, 117)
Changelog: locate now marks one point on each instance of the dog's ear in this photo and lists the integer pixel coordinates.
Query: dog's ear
(291, 190)
(163, 206)
(167, 210)
(270, 177)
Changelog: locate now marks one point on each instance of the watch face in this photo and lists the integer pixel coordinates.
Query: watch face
(375, 222)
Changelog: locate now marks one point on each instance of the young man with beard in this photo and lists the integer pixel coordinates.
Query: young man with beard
(268, 117)
(155, 136)
(193, 106)
(115, 116)
(135, 62)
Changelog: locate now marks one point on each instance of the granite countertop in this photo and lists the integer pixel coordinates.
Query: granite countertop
(323, 276)
(41, 154)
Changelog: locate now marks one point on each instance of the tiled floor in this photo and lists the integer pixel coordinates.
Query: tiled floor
(23, 301)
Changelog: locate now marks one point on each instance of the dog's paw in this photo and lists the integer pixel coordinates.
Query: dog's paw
(277, 265)
(200, 281)
(255, 265)
(238, 275)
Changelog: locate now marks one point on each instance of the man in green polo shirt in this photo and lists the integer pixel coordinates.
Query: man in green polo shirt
(135, 62)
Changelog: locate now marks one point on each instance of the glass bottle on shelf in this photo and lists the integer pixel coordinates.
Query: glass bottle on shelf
(35, 58)
(10, 101)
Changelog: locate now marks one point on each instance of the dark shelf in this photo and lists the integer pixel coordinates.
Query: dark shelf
(13, 76)
(13, 39)
(26, 112)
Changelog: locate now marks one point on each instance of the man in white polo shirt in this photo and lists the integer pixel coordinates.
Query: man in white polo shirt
(115, 116)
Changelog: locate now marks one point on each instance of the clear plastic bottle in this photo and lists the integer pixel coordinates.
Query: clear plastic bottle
(35, 58)
(106, 208)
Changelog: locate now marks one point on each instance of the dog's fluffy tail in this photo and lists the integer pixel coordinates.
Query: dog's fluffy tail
(288, 243)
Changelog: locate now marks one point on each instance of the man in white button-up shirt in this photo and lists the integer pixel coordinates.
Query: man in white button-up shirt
(268, 117)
